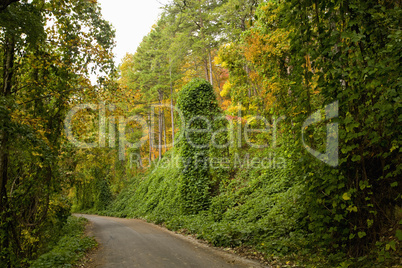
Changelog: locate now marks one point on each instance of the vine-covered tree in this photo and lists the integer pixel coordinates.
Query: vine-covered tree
(45, 69)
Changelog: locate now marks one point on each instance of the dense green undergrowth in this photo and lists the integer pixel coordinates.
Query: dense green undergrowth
(69, 249)
(276, 200)
(261, 209)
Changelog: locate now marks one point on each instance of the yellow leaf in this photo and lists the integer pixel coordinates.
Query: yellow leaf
(346, 196)
(352, 208)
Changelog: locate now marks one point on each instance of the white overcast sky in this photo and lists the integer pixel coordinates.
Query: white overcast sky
(132, 20)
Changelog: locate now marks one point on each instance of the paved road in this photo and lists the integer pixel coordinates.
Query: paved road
(135, 243)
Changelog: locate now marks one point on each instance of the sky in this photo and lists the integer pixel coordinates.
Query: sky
(132, 20)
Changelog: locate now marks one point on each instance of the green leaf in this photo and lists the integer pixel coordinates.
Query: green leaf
(390, 245)
(352, 208)
(356, 158)
(399, 234)
(361, 234)
(346, 197)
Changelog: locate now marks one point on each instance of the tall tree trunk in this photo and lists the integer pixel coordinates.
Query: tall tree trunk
(160, 128)
(206, 70)
(160, 135)
(8, 72)
(171, 103)
(164, 130)
(140, 159)
(211, 80)
(8, 65)
(150, 138)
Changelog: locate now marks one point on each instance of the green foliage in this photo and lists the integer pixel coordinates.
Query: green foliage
(262, 208)
(198, 104)
(47, 48)
(353, 50)
(104, 195)
(70, 248)
(286, 60)
(154, 197)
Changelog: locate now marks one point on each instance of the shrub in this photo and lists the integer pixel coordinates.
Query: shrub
(69, 249)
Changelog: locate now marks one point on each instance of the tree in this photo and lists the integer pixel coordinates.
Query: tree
(45, 69)
(235, 17)
(350, 50)
(198, 104)
(198, 32)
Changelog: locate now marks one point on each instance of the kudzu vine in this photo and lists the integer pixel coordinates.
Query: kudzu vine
(199, 106)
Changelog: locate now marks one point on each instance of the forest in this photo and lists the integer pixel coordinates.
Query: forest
(270, 127)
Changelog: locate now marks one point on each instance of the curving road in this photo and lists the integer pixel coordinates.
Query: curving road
(127, 243)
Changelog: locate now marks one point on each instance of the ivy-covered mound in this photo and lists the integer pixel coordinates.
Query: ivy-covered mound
(198, 104)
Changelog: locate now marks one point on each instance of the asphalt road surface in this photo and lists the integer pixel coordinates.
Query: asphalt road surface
(126, 243)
